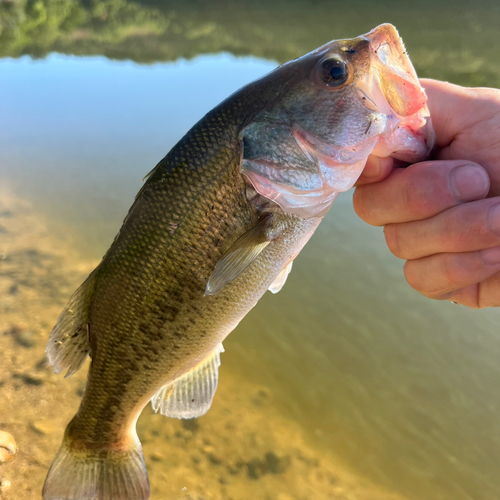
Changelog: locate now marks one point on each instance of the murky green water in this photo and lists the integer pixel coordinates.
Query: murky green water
(402, 390)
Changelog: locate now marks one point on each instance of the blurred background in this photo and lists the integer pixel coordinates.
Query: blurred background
(347, 384)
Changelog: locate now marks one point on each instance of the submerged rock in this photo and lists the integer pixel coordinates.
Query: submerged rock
(22, 336)
(8, 446)
(4, 484)
(43, 427)
(43, 365)
(157, 456)
(30, 378)
(262, 396)
(271, 463)
(276, 464)
(191, 424)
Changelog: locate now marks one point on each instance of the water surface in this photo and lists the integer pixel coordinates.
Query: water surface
(401, 391)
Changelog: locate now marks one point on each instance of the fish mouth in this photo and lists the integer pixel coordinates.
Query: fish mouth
(392, 88)
(396, 75)
(398, 125)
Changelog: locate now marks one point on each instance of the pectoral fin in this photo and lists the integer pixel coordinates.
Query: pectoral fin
(278, 283)
(241, 254)
(191, 395)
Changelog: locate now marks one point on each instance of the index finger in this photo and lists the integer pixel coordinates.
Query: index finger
(454, 109)
(376, 170)
(420, 191)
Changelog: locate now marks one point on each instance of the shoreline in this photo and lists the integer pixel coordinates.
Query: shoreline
(244, 448)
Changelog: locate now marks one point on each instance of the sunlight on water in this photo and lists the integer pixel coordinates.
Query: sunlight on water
(346, 385)
(88, 129)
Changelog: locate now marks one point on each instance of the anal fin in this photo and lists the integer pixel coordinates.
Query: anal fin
(280, 280)
(190, 395)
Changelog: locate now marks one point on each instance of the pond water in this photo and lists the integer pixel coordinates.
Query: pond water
(356, 386)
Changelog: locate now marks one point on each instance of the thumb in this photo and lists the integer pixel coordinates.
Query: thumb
(467, 125)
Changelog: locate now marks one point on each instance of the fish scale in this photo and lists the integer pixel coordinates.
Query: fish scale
(152, 301)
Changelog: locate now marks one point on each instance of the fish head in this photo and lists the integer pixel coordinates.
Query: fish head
(328, 111)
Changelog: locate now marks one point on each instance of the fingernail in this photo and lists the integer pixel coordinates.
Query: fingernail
(494, 219)
(469, 182)
(491, 255)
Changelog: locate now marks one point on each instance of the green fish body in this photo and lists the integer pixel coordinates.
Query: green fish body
(217, 223)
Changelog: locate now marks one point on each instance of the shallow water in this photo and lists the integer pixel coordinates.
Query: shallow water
(393, 393)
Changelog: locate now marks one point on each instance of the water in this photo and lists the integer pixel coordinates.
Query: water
(396, 394)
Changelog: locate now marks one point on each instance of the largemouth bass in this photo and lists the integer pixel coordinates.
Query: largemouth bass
(217, 223)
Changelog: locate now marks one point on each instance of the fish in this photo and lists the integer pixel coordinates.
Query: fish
(216, 224)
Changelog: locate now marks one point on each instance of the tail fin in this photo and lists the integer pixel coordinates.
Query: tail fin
(79, 474)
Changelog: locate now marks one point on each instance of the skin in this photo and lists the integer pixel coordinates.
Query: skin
(443, 216)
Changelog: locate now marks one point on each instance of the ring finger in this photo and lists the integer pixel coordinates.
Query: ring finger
(438, 276)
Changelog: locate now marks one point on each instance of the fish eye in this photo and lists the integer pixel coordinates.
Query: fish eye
(334, 72)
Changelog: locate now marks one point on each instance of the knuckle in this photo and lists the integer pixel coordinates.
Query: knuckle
(453, 271)
(475, 304)
(488, 95)
(488, 294)
(392, 233)
(444, 275)
(427, 188)
(467, 296)
(416, 200)
(357, 201)
(417, 280)
(460, 270)
(492, 223)
(361, 205)
(412, 276)
(473, 297)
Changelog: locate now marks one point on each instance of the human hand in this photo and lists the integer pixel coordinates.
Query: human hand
(443, 216)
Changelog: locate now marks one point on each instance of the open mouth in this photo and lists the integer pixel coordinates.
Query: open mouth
(395, 73)
(392, 88)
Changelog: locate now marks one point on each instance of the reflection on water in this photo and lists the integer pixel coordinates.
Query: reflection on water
(450, 39)
(346, 384)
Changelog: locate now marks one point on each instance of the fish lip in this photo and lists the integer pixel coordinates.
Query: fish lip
(391, 87)
(395, 73)
(410, 141)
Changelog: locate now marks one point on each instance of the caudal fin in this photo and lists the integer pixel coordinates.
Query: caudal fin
(78, 474)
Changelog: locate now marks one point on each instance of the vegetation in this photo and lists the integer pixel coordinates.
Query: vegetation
(449, 40)
(37, 27)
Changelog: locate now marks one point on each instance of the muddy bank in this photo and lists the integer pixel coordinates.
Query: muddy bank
(242, 449)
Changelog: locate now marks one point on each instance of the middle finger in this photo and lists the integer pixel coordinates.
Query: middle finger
(464, 228)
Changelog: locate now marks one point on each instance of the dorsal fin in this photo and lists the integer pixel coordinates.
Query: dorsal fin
(191, 395)
(68, 344)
